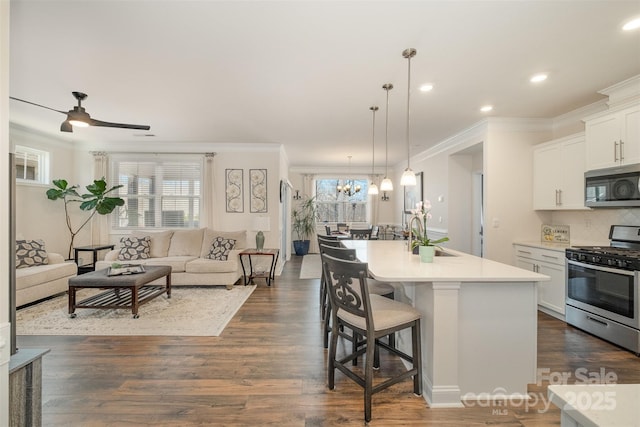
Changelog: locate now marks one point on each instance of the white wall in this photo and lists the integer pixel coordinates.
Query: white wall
(75, 164)
(5, 345)
(508, 177)
(37, 217)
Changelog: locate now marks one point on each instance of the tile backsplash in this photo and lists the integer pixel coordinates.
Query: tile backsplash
(592, 226)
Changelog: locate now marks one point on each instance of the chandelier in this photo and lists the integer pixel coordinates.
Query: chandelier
(349, 187)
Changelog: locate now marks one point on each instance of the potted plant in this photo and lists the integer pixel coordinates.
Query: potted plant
(96, 201)
(304, 218)
(420, 240)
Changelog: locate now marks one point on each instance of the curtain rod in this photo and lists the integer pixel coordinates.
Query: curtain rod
(103, 153)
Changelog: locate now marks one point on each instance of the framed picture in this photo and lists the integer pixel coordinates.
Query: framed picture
(258, 187)
(233, 190)
(413, 194)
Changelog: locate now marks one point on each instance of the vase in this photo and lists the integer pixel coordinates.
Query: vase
(427, 253)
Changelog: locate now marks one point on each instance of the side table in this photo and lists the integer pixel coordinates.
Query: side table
(268, 275)
(94, 249)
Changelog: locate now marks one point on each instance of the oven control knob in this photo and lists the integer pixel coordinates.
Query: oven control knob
(611, 262)
(596, 259)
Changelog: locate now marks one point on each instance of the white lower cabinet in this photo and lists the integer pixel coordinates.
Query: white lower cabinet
(550, 262)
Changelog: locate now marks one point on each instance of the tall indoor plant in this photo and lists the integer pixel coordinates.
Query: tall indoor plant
(96, 201)
(304, 218)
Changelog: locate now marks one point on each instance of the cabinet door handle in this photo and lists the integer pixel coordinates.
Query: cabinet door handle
(557, 198)
(615, 151)
(559, 202)
(621, 150)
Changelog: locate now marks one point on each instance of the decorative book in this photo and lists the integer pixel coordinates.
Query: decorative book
(123, 269)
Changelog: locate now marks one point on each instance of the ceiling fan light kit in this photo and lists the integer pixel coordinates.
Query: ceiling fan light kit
(79, 117)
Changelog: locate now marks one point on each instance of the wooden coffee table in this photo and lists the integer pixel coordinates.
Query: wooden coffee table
(126, 291)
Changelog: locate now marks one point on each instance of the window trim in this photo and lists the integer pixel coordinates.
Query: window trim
(158, 159)
(43, 165)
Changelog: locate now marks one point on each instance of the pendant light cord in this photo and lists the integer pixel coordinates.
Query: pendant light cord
(373, 141)
(386, 87)
(409, 53)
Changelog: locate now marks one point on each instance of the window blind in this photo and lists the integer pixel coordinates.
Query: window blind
(159, 191)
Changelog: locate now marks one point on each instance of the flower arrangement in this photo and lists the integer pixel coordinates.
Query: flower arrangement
(420, 237)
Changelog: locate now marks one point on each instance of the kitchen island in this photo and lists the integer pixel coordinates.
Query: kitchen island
(479, 320)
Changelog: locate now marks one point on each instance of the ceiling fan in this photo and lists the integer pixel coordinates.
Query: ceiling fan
(79, 117)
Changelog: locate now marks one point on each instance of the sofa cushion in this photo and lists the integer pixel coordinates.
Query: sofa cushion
(30, 253)
(220, 248)
(202, 265)
(28, 277)
(239, 236)
(159, 242)
(177, 263)
(186, 243)
(132, 248)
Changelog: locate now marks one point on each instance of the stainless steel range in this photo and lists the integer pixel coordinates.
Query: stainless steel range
(602, 288)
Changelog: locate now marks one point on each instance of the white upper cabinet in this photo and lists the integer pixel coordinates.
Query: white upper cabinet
(558, 174)
(613, 139)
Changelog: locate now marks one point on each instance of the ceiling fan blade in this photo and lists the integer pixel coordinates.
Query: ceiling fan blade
(95, 122)
(37, 105)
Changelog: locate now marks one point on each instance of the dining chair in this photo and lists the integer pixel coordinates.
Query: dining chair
(343, 227)
(325, 241)
(372, 317)
(360, 234)
(327, 230)
(375, 287)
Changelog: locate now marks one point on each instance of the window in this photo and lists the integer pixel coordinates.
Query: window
(335, 206)
(31, 165)
(159, 192)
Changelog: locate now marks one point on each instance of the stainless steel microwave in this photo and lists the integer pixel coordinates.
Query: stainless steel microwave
(616, 187)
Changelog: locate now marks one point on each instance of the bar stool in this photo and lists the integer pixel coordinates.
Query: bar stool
(375, 287)
(373, 317)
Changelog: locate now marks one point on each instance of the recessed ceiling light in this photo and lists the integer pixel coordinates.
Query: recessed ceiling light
(427, 87)
(486, 108)
(538, 78)
(632, 25)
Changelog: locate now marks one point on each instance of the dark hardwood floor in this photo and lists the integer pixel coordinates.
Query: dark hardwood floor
(268, 368)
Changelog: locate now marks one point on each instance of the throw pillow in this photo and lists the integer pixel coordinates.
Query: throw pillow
(30, 253)
(132, 248)
(159, 242)
(220, 248)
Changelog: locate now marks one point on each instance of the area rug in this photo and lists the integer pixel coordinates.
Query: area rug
(191, 311)
(311, 267)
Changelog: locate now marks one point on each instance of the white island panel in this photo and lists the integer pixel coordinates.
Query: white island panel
(479, 320)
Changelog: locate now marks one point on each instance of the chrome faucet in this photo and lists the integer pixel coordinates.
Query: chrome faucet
(420, 229)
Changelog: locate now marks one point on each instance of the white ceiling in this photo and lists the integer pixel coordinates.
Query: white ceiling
(304, 73)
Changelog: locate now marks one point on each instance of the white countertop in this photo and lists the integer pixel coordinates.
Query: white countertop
(593, 405)
(389, 260)
(559, 247)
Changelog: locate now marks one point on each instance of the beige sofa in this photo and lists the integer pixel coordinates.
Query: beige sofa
(42, 281)
(186, 251)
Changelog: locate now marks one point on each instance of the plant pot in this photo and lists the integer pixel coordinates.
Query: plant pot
(427, 253)
(301, 247)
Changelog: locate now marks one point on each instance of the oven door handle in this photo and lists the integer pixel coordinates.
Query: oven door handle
(601, 322)
(602, 268)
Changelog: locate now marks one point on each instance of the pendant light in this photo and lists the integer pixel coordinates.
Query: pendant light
(373, 188)
(408, 176)
(386, 184)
